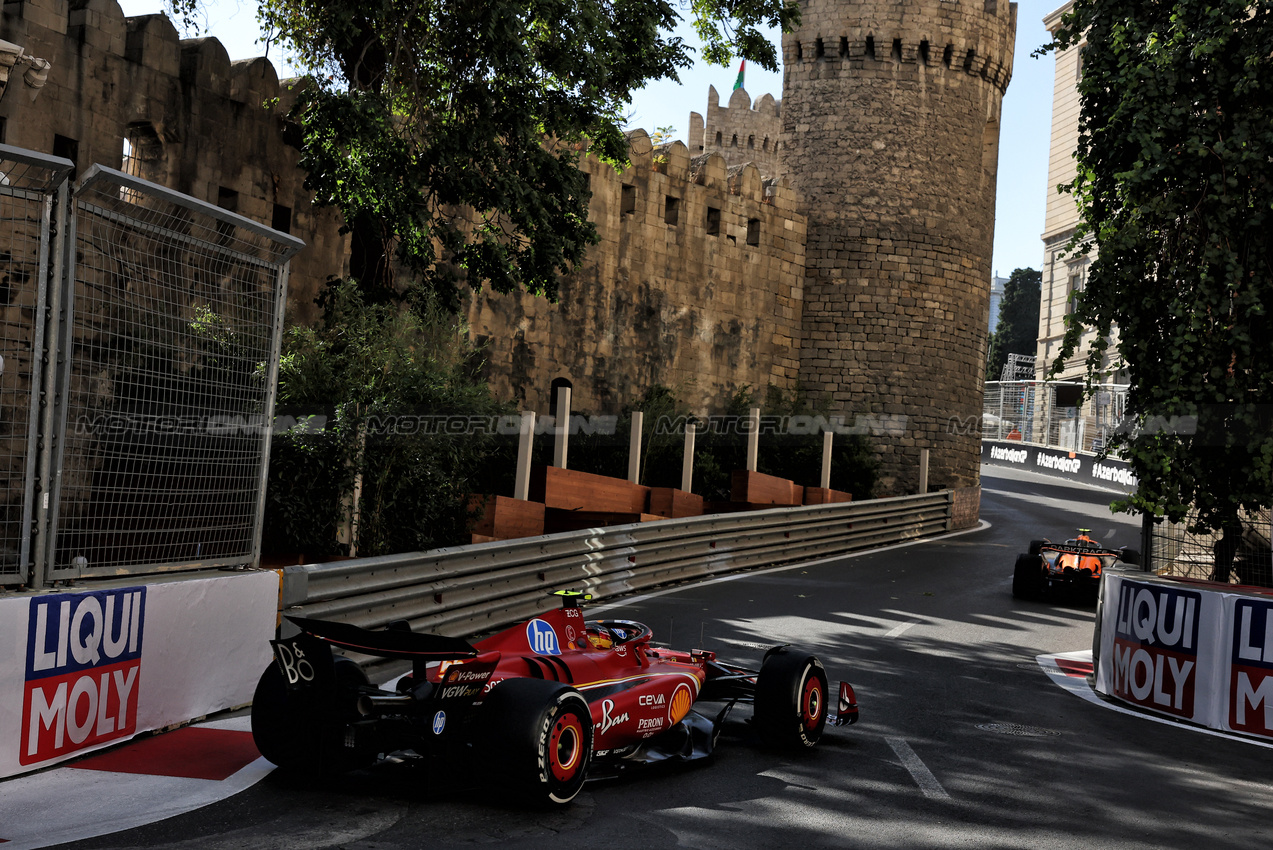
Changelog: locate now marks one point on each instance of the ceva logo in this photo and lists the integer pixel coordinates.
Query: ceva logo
(542, 638)
(83, 663)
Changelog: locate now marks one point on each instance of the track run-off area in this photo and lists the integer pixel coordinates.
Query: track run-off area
(978, 730)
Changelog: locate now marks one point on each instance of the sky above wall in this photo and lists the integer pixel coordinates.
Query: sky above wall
(1023, 143)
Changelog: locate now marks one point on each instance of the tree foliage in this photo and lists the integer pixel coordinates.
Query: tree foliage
(1175, 190)
(1017, 331)
(416, 111)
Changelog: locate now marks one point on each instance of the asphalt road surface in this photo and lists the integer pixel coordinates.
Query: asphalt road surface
(963, 742)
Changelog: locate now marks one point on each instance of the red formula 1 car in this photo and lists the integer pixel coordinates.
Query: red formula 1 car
(539, 707)
(1073, 566)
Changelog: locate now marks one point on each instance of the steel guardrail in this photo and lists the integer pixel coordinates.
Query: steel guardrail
(468, 590)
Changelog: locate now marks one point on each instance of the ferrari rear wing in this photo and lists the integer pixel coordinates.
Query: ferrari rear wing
(387, 643)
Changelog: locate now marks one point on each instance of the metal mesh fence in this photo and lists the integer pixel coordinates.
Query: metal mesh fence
(176, 311)
(1052, 413)
(1177, 551)
(28, 185)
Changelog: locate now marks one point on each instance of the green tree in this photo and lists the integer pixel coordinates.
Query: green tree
(1175, 185)
(1017, 331)
(447, 132)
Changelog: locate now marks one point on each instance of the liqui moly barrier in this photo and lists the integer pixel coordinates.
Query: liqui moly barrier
(94, 668)
(1188, 650)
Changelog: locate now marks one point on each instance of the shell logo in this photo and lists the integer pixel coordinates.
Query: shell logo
(679, 705)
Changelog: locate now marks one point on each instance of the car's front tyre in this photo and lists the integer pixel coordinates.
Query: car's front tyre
(791, 699)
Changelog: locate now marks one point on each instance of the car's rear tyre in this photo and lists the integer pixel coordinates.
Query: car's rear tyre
(791, 699)
(536, 738)
(1027, 577)
(1129, 556)
(1036, 546)
(302, 735)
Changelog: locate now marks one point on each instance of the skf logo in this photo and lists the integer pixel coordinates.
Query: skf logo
(542, 638)
(83, 663)
(1156, 647)
(1251, 668)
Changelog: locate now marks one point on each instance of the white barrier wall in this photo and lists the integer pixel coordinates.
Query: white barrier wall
(1187, 651)
(85, 669)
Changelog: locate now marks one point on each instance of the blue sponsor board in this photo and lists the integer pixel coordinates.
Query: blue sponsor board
(1156, 646)
(1251, 667)
(83, 664)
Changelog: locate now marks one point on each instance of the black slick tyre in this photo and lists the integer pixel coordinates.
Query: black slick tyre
(1027, 577)
(791, 699)
(1036, 546)
(1130, 556)
(536, 738)
(303, 736)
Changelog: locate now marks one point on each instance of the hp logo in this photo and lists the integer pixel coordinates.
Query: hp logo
(439, 722)
(542, 638)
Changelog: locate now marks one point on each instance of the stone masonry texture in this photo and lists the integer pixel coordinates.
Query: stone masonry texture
(890, 140)
(838, 239)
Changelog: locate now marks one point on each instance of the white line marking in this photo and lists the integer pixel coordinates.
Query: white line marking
(1081, 689)
(897, 630)
(918, 770)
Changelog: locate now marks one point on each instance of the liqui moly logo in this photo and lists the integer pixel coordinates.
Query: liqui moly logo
(1156, 647)
(1251, 667)
(83, 664)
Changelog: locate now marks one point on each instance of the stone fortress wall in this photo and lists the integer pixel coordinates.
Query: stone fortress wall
(696, 285)
(891, 128)
(193, 120)
(843, 242)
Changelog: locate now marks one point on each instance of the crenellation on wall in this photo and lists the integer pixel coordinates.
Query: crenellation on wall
(740, 131)
(688, 304)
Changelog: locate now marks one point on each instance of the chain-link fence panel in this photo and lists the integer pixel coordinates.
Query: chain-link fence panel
(1053, 413)
(1240, 555)
(30, 186)
(175, 322)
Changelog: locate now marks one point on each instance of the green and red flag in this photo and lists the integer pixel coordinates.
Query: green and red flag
(742, 66)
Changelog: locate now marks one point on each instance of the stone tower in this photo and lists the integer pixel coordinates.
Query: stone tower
(891, 138)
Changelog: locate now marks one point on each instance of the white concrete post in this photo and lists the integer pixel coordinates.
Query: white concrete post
(826, 460)
(634, 448)
(923, 471)
(562, 427)
(525, 441)
(753, 437)
(687, 462)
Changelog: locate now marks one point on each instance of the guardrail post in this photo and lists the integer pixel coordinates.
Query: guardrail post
(525, 438)
(827, 437)
(687, 461)
(561, 444)
(753, 438)
(634, 448)
(923, 471)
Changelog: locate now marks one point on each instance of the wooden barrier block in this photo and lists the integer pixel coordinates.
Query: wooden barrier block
(571, 490)
(671, 502)
(759, 489)
(557, 520)
(825, 496)
(505, 518)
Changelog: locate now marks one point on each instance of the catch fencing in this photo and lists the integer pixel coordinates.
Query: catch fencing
(474, 589)
(1176, 550)
(150, 323)
(1053, 413)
